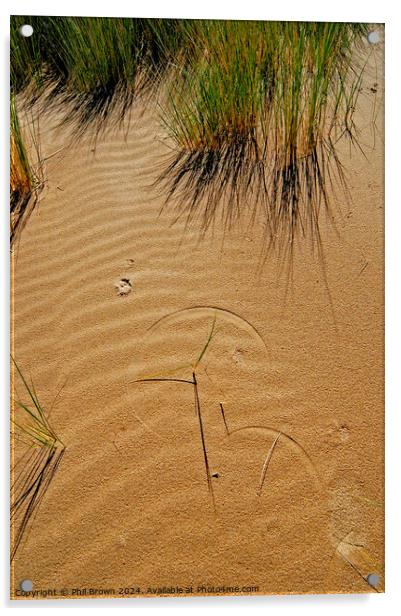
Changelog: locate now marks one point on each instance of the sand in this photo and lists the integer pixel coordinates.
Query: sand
(130, 505)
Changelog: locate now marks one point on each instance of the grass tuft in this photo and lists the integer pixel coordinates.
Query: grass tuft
(24, 175)
(34, 471)
(255, 117)
(254, 109)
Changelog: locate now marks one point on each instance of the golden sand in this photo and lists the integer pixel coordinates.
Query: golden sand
(299, 377)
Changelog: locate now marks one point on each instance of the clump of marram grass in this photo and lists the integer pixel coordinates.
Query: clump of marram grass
(255, 115)
(253, 108)
(92, 66)
(32, 474)
(23, 180)
(21, 176)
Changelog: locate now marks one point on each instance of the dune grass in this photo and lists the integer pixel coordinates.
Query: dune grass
(26, 173)
(22, 179)
(254, 109)
(21, 175)
(32, 474)
(92, 66)
(257, 115)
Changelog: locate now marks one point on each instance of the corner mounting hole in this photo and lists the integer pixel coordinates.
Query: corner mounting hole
(373, 37)
(373, 579)
(26, 30)
(26, 585)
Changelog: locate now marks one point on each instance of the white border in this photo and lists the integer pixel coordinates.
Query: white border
(338, 10)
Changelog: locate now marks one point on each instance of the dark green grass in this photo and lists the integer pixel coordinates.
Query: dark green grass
(90, 66)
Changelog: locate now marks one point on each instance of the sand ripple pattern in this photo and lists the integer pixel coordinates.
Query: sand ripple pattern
(131, 495)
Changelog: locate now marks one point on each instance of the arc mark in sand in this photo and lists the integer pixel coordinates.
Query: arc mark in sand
(194, 384)
(226, 311)
(285, 436)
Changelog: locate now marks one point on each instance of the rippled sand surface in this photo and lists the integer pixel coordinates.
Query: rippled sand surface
(288, 403)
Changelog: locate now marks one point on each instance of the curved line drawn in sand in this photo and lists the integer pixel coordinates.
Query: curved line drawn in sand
(215, 310)
(35, 470)
(279, 434)
(192, 380)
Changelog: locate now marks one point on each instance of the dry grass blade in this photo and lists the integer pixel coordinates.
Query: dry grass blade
(35, 469)
(266, 464)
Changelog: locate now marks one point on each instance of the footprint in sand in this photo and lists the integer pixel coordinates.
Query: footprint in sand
(123, 286)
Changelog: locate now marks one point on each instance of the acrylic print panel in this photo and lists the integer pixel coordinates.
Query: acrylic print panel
(197, 307)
